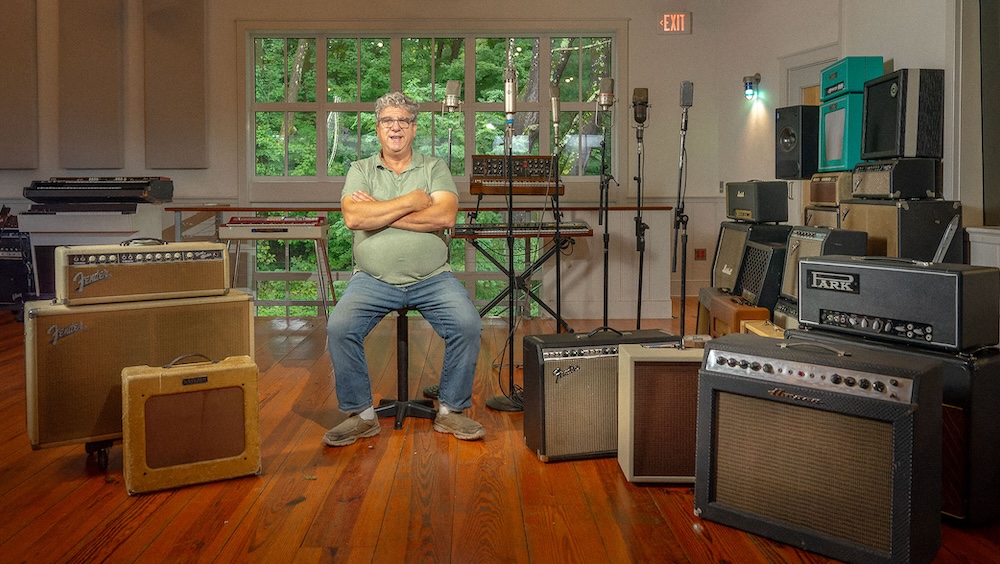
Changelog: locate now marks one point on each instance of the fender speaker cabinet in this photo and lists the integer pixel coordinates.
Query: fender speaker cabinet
(571, 392)
(970, 451)
(834, 449)
(74, 356)
(189, 423)
(657, 411)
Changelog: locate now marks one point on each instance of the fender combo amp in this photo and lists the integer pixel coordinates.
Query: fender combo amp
(830, 188)
(781, 422)
(89, 274)
(952, 307)
(913, 229)
(816, 241)
(904, 115)
(571, 392)
(822, 216)
(756, 201)
(898, 178)
(970, 453)
(760, 274)
(731, 245)
(189, 423)
(74, 356)
(796, 145)
(657, 412)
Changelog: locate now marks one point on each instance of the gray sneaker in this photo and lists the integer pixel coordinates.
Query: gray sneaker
(352, 429)
(459, 425)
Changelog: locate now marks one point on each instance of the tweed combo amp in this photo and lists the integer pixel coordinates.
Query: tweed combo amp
(571, 391)
(830, 188)
(912, 229)
(731, 245)
(657, 411)
(906, 179)
(970, 453)
(781, 422)
(189, 423)
(764, 328)
(91, 274)
(760, 274)
(74, 356)
(952, 307)
(757, 201)
(821, 216)
(727, 314)
(816, 241)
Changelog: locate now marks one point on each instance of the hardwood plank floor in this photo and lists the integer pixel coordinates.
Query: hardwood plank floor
(410, 495)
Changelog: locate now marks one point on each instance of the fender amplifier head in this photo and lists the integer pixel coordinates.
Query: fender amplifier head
(815, 241)
(780, 422)
(571, 391)
(657, 412)
(950, 307)
(757, 201)
(190, 423)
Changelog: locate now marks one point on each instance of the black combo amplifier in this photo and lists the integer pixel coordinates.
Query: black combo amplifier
(779, 420)
(571, 391)
(905, 179)
(757, 201)
(952, 307)
(16, 282)
(970, 453)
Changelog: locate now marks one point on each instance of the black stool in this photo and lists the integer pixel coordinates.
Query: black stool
(402, 407)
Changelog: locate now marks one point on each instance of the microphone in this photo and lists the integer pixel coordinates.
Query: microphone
(640, 102)
(453, 91)
(606, 94)
(687, 94)
(510, 92)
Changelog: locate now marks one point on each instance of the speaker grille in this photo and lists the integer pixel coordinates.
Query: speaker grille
(584, 416)
(194, 426)
(828, 472)
(666, 406)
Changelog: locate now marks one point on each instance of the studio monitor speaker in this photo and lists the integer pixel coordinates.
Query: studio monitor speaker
(189, 423)
(571, 392)
(796, 145)
(74, 356)
(657, 412)
(832, 449)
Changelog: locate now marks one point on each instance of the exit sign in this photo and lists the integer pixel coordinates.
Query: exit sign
(675, 22)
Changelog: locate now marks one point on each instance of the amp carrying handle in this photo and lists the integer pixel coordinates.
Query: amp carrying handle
(835, 351)
(184, 356)
(144, 241)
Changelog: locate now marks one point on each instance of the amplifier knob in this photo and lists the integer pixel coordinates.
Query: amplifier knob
(836, 378)
(733, 362)
(720, 360)
(864, 384)
(755, 366)
(878, 386)
(850, 381)
(91, 258)
(877, 325)
(744, 364)
(768, 369)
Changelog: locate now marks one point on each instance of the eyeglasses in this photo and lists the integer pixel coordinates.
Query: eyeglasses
(404, 123)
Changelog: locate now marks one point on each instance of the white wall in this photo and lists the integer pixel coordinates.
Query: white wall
(728, 138)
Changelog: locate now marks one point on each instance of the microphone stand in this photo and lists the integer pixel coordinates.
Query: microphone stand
(681, 222)
(640, 227)
(602, 218)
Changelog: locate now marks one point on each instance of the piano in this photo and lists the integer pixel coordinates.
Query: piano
(101, 189)
(521, 229)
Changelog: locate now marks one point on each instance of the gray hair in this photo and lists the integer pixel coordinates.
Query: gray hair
(395, 99)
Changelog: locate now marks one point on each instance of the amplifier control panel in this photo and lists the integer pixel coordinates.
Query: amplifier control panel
(143, 257)
(815, 376)
(902, 329)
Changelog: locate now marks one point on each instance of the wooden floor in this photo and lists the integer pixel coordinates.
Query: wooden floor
(409, 495)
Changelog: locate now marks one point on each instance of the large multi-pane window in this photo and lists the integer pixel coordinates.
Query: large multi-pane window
(313, 97)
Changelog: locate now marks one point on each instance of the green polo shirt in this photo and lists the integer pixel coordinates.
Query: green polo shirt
(398, 256)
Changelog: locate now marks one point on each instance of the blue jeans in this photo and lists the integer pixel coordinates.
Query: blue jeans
(441, 299)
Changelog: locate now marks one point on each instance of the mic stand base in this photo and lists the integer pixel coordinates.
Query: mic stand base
(510, 404)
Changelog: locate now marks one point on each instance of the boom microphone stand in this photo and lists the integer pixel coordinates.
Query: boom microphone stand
(680, 218)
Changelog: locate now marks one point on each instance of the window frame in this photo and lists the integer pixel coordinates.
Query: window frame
(323, 189)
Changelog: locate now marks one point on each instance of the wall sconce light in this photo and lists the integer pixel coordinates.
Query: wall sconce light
(751, 84)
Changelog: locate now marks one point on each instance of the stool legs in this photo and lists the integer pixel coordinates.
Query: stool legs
(401, 407)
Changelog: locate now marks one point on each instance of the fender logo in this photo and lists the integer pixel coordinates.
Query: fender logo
(781, 393)
(56, 333)
(83, 280)
(559, 373)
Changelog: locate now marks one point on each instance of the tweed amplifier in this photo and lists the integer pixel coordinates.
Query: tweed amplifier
(905, 179)
(951, 307)
(912, 229)
(757, 201)
(970, 453)
(829, 188)
(727, 314)
(189, 423)
(780, 422)
(657, 411)
(74, 356)
(92, 274)
(571, 391)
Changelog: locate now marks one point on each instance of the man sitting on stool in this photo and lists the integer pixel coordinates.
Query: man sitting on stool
(398, 203)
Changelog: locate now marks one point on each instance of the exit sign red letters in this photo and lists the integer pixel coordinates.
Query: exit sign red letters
(676, 22)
